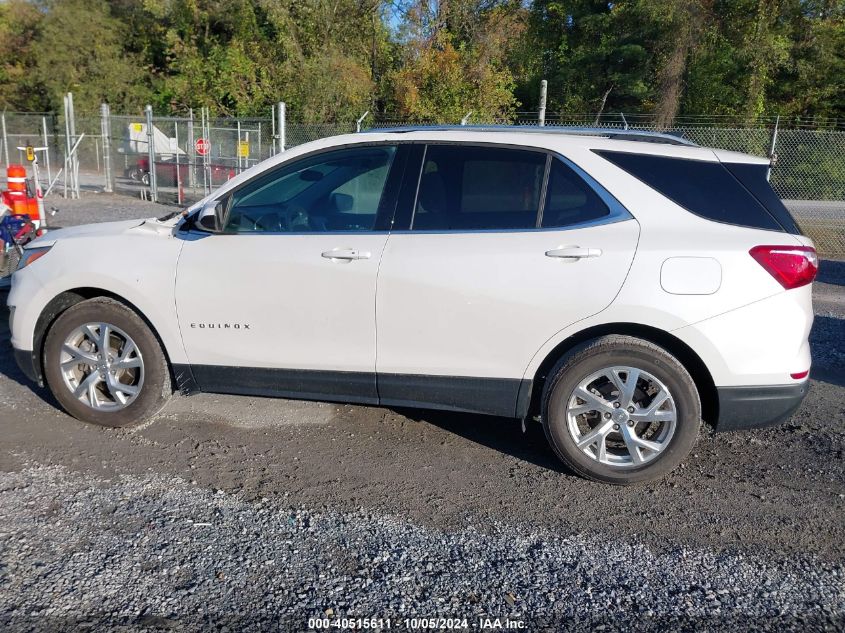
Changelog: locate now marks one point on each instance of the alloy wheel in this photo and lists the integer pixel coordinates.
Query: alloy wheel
(622, 417)
(102, 366)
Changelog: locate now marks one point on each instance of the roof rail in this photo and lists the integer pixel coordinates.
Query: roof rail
(644, 136)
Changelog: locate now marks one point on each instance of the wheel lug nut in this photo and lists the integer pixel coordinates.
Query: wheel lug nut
(630, 409)
(615, 427)
(616, 405)
(630, 423)
(607, 416)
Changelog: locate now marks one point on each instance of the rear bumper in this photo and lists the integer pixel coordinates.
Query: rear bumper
(29, 366)
(759, 406)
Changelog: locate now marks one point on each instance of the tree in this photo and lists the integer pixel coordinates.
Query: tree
(80, 49)
(683, 25)
(427, 59)
(20, 23)
(454, 60)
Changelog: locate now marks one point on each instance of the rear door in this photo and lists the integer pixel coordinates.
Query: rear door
(501, 248)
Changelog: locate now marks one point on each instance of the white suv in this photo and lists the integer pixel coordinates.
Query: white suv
(619, 286)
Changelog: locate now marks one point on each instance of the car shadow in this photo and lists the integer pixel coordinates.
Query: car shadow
(8, 367)
(831, 272)
(827, 344)
(503, 435)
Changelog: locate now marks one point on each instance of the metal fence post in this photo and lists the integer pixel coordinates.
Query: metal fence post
(281, 126)
(105, 131)
(151, 154)
(5, 139)
(238, 147)
(192, 176)
(273, 130)
(544, 87)
(66, 167)
(773, 157)
(206, 167)
(47, 150)
(74, 156)
(207, 157)
(176, 158)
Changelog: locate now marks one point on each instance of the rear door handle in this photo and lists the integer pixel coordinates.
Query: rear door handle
(573, 252)
(346, 254)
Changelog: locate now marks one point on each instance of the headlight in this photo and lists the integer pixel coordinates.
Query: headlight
(31, 254)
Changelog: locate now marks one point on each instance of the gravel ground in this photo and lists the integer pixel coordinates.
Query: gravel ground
(142, 551)
(252, 513)
(100, 207)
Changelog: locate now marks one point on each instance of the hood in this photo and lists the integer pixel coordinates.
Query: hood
(103, 229)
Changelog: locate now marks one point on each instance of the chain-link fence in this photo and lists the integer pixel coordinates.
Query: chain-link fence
(178, 160)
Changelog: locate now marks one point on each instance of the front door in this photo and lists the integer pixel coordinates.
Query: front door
(490, 268)
(283, 302)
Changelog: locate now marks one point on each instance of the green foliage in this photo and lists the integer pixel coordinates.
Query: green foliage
(330, 60)
(443, 83)
(90, 59)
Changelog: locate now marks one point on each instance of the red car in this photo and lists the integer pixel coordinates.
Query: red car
(166, 172)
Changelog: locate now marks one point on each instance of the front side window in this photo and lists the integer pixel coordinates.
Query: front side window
(476, 188)
(334, 191)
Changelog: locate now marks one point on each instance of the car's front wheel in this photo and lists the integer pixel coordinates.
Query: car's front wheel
(104, 365)
(620, 410)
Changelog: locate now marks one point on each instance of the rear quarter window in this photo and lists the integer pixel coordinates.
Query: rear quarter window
(707, 189)
(754, 178)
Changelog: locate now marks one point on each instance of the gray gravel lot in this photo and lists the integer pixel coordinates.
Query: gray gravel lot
(139, 551)
(252, 513)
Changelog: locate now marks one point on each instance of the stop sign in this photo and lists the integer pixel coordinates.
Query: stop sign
(202, 146)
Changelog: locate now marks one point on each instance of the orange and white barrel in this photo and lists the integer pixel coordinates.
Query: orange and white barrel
(19, 200)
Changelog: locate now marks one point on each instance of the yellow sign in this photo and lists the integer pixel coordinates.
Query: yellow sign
(243, 149)
(30, 153)
(137, 127)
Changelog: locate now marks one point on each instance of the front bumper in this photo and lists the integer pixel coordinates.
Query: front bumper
(29, 365)
(755, 407)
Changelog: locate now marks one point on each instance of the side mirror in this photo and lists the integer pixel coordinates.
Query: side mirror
(210, 217)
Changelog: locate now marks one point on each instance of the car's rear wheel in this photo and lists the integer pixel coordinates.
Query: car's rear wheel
(104, 365)
(621, 410)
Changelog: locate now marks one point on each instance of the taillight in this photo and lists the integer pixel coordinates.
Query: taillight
(792, 266)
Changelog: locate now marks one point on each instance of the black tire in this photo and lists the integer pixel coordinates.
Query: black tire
(607, 351)
(156, 388)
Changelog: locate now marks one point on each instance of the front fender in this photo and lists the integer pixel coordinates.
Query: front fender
(139, 269)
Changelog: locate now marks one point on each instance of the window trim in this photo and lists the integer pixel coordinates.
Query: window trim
(618, 212)
(544, 190)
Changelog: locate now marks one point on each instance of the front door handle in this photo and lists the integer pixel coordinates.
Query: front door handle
(573, 252)
(346, 254)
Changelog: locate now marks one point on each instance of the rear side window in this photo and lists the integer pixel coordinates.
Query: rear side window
(753, 177)
(570, 200)
(476, 188)
(704, 188)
